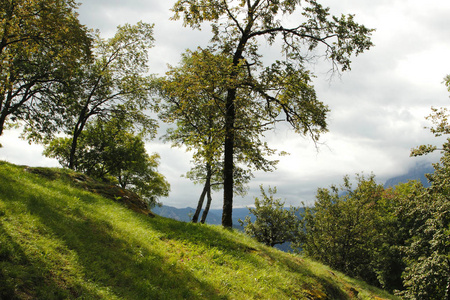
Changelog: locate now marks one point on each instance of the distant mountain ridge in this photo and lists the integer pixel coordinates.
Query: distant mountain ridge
(185, 214)
(416, 173)
(215, 215)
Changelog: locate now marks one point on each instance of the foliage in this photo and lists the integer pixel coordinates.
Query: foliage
(398, 238)
(108, 149)
(194, 101)
(115, 80)
(274, 224)
(62, 242)
(282, 90)
(343, 228)
(364, 231)
(42, 43)
(394, 232)
(428, 252)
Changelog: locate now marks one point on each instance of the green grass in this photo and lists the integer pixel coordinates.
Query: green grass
(58, 241)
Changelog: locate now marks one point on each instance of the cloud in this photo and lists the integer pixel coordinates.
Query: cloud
(18, 151)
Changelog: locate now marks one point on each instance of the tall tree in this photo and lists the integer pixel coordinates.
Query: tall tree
(284, 88)
(42, 43)
(194, 95)
(117, 79)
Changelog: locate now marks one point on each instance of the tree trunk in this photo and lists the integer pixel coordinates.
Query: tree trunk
(82, 119)
(208, 205)
(2, 122)
(228, 167)
(5, 106)
(73, 148)
(199, 205)
(206, 189)
(230, 117)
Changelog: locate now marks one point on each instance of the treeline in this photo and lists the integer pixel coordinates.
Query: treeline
(397, 238)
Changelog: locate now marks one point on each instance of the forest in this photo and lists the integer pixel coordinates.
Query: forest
(93, 104)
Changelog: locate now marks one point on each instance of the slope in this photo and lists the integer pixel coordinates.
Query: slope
(60, 241)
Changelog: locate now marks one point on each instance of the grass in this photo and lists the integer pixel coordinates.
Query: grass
(58, 241)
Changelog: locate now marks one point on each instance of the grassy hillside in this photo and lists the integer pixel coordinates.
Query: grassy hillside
(59, 241)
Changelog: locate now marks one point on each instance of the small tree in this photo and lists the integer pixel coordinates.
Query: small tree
(109, 150)
(273, 224)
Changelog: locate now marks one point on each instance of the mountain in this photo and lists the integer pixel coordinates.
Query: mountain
(416, 173)
(61, 239)
(179, 214)
(185, 214)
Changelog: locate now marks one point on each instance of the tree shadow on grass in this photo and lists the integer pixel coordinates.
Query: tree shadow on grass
(310, 284)
(318, 287)
(106, 262)
(25, 277)
(313, 284)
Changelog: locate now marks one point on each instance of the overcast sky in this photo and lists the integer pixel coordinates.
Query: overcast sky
(378, 109)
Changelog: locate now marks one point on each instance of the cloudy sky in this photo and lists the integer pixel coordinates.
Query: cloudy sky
(378, 109)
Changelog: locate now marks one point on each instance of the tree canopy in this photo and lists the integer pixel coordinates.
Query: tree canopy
(283, 89)
(397, 238)
(42, 45)
(108, 150)
(274, 224)
(194, 102)
(116, 79)
(428, 251)
(342, 228)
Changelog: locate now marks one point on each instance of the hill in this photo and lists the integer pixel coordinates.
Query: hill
(60, 239)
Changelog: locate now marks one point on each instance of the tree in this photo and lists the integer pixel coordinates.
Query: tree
(343, 229)
(427, 251)
(194, 101)
(394, 231)
(41, 44)
(108, 150)
(191, 105)
(117, 79)
(283, 89)
(273, 224)
(427, 275)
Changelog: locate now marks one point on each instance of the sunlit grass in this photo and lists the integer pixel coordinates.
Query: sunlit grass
(61, 242)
